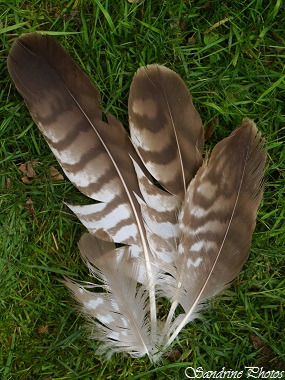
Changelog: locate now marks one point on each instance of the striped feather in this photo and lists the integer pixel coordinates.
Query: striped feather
(65, 105)
(165, 127)
(95, 155)
(216, 222)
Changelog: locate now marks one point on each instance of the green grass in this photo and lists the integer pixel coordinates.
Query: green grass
(233, 70)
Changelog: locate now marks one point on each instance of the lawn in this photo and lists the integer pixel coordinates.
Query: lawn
(231, 55)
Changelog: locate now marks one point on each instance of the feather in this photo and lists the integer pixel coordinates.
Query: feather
(94, 155)
(216, 222)
(165, 128)
(185, 226)
(166, 131)
(119, 312)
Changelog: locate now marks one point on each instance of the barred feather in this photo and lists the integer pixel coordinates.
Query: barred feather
(95, 155)
(217, 221)
(165, 127)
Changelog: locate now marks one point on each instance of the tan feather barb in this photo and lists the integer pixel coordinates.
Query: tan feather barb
(185, 241)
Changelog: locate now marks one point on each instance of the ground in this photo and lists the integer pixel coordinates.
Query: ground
(231, 56)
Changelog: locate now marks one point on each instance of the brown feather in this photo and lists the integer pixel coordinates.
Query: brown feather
(65, 105)
(165, 127)
(217, 221)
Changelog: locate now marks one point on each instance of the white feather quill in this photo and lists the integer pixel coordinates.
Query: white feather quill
(185, 240)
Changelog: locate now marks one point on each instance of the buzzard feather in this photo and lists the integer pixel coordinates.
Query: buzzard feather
(165, 127)
(184, 240)
(216, 222)
(95, 155)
